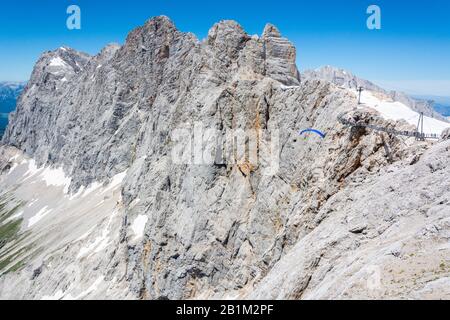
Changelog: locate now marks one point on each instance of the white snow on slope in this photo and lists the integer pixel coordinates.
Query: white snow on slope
(51, 176)
(116, 181)
(56, 177)
(60, 295)
(57, 62)
(38, 216)
(393, 110)
(96, 186)
(13, 167)
(32, 169)
(91, 188)
(13, 217)
(83, 224)
(92, 288)
(100, 242)
(138, 226)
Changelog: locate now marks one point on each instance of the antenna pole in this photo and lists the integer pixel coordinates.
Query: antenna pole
(420, 135)
(421, 129)
(360, 89)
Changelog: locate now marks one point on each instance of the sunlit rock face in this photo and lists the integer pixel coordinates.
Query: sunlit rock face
(104, 206)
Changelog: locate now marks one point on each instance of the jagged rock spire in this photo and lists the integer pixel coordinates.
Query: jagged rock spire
(271, 31)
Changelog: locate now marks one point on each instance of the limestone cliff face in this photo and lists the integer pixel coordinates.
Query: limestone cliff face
(216, 228)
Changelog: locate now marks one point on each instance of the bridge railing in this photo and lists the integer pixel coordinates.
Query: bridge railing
(415, 134)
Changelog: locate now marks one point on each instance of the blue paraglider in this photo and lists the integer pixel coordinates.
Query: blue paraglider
(313, 131)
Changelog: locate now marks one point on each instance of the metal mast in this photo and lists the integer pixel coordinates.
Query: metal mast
(360, 89)
(420, 136)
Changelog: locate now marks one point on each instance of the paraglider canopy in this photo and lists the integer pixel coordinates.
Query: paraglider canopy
(313, 131)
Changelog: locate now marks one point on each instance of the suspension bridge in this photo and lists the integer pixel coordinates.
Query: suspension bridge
(418, 134)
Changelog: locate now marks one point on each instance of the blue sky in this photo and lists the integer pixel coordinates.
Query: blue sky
(411, 52)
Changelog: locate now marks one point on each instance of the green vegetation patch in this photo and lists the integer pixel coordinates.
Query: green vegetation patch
(11, 259)
(10, 234)
(9, 231)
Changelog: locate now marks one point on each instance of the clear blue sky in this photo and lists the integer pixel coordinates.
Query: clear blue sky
(410, 52)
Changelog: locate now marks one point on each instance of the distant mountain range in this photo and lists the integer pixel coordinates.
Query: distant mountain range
(440, 104)
(432, 106)
(438, 99)
(9, 92)
(442, 109)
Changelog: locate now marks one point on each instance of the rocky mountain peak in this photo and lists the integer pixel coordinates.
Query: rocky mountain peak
(271, 31)
(58, 65)
(227, 33)
(157, 30)
(160, 25)
(100, 148)
(109, 50)
(280, 55)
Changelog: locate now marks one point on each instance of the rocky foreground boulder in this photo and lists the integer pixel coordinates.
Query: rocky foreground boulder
(173, 168)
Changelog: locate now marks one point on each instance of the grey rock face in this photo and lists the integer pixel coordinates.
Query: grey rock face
(445, 134)
(280, 57)
(340, 77)
(211, 229)
(95, 102)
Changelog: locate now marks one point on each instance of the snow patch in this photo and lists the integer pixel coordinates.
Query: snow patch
(77, 194)
(13, 217)
(32, 169)
(57, 62)
(394, 110)
(13, 158)
(56, 177)
(13, 167)
(284, 87)
(33, 201)
(60, 295)
(138, 226)
(116, 181)
(92, 187)
(51, 176)
(89, 290)
(38, 216)
(89, 248)
(99, 243)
